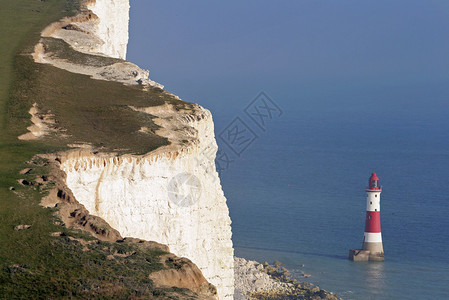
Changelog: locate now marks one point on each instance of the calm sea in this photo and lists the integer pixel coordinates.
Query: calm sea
(297, 193)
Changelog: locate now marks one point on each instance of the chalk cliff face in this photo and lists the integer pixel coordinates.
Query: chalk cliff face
(171, 195)
(112, 26)
(142, 196)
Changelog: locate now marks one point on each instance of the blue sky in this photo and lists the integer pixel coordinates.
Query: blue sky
(204, 49)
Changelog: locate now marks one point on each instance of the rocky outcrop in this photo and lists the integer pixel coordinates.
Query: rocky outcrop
(250, 277)
(182, 273)
(264, 281)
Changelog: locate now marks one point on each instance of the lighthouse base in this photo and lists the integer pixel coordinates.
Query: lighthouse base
(365, 255)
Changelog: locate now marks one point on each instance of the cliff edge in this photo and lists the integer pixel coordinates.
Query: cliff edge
(134, 155)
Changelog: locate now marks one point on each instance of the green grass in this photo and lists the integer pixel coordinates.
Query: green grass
(22, 20)
(90, 111)
(61, 50)
(34, 264)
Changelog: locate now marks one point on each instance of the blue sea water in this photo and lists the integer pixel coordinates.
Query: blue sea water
(298, 196)
(363, 87)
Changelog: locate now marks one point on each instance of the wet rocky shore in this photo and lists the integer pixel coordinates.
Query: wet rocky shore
(254, 280)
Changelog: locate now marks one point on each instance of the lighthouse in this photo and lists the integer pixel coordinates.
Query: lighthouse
(372, 248)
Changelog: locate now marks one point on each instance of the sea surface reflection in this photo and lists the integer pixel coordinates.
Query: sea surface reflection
(375, 276)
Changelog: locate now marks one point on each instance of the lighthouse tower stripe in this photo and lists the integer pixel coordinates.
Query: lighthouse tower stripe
(373, 237)
(373, 200)
(372, 223)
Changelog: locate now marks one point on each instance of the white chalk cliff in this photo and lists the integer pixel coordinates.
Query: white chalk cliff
(141, 196)
(112, 26)
(171, 195)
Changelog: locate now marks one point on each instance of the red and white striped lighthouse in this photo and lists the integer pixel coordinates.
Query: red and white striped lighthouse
(372, 239)
(372, 248)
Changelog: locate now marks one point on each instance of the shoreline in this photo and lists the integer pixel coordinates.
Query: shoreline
(254, 280)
